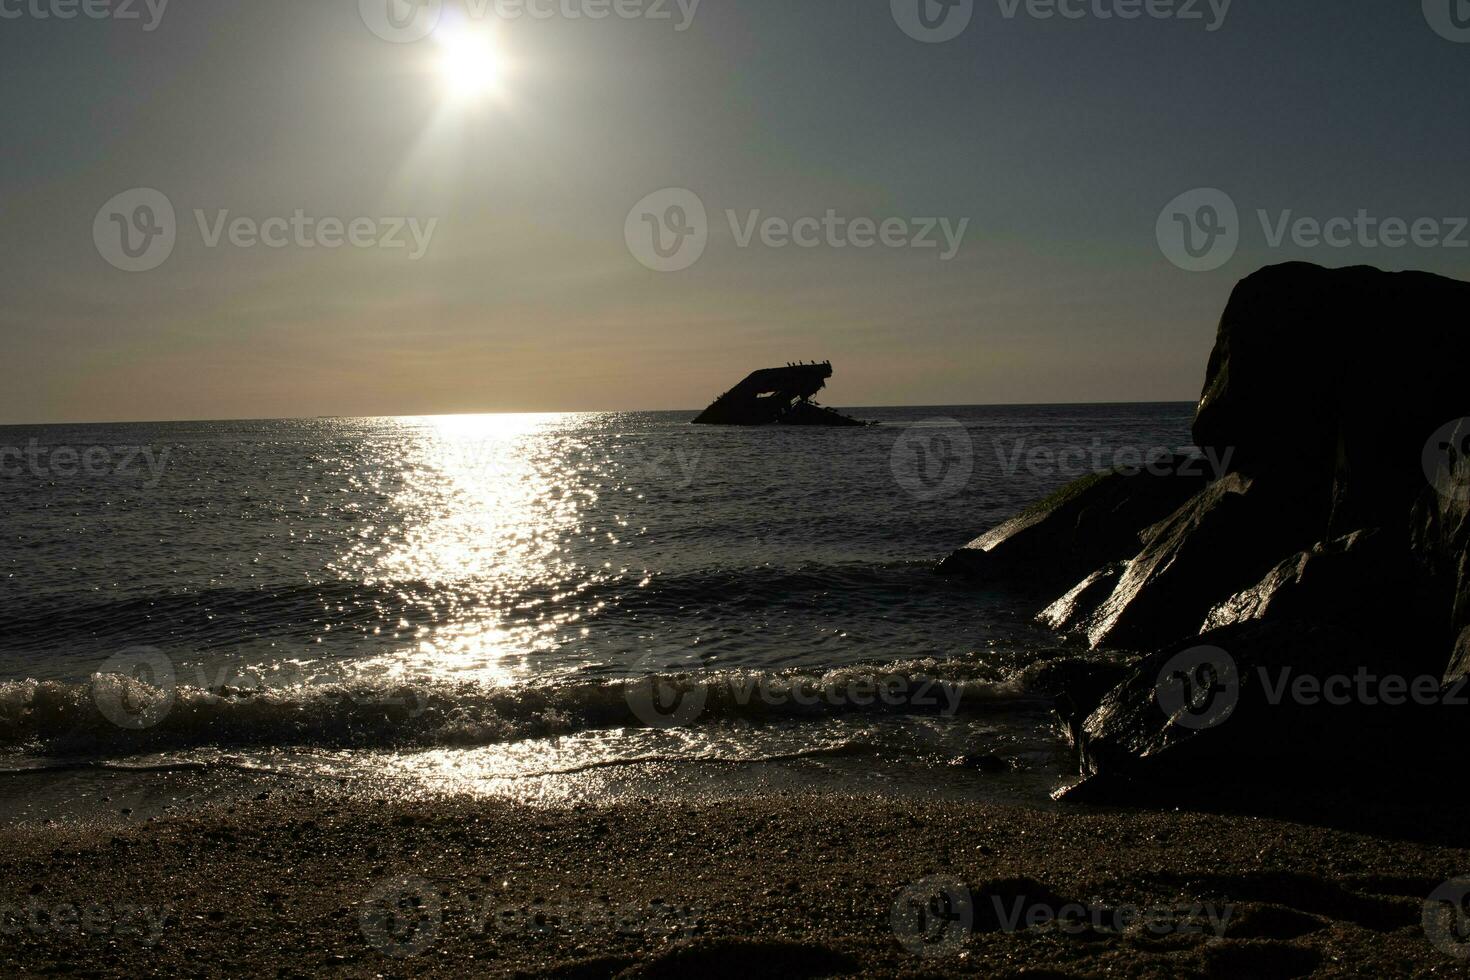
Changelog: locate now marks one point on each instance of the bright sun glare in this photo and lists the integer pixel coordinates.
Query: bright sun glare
(469, 63)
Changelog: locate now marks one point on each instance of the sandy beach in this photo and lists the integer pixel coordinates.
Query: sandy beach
(295, 881)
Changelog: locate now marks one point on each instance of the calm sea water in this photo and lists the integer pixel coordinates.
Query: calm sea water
(473, 602)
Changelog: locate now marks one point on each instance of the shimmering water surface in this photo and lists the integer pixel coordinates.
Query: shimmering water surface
(469, 602)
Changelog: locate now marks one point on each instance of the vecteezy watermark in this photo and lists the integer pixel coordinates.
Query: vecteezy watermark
(70, 462)
(675, 701)
(1075, 918)
(137, 230)
(677, 466)
(1362, 687)
(933, 916)
(408, 21)
(1447, 918)
(1447, 460)
(137, 688)
(833, 230)
(1200, 230)
(88, 9)
(1450, 19)
(1198, 688)
(936, 916)
(1363, 230)
(1077, 460)
(401, 21)
(937, 21)
(404, 917)
(933, 21)
(933, 459)
(666, 702)
(668, 231)
(120, 921)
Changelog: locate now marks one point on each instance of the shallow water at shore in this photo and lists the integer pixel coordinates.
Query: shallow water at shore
(483, 604)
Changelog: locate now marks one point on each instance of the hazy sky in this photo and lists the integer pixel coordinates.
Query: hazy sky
(1060, 139)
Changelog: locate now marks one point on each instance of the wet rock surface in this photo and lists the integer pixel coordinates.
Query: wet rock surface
(1090, 522)
(1221, 540)
(1334, 545)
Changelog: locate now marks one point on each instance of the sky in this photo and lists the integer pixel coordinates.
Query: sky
(503, 177)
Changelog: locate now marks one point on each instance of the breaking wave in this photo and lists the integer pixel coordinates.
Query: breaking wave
(113, 714)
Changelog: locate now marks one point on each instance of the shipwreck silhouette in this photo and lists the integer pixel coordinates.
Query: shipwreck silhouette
(777, 396)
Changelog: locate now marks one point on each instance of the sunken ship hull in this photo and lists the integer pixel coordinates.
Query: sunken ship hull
(777, 396)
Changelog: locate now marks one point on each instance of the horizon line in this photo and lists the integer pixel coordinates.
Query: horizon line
(629, 411)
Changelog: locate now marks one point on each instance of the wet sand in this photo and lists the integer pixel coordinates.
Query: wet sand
(296, 882)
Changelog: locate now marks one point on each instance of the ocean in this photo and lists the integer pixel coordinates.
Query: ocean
(551, 607)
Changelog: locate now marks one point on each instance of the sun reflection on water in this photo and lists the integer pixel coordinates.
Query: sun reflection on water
(488, 505)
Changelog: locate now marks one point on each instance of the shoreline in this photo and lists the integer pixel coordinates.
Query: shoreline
(298, 881)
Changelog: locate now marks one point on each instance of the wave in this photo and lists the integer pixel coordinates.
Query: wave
(844, 749)
(112, 714)
(212, 618)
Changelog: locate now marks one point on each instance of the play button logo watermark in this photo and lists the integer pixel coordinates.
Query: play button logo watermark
(933, 459)
(933, 21)
(1446, 460)
(1199, 230)
(1447, 918)
(668, 230)
(933, 917)
(1449, 18)
(135, 689)
(136, 230)
(1198, 688)
(661, 701)
(401, 21)
(401, 918)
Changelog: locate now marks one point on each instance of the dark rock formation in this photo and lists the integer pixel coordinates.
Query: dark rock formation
(1088, 523)
(1337, 543)
(1334, 379)
(1279, 704)
(1360, 577)
(1441, 532)
(1219, 542)
(1077, 686)
(1075, 609)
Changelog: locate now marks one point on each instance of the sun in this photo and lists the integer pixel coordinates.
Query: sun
(469, 64)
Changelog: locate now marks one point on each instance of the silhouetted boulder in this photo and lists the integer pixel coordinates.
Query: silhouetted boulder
(1088, 523)
(1337, 542)
(1334, 379)
(1324, 385)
